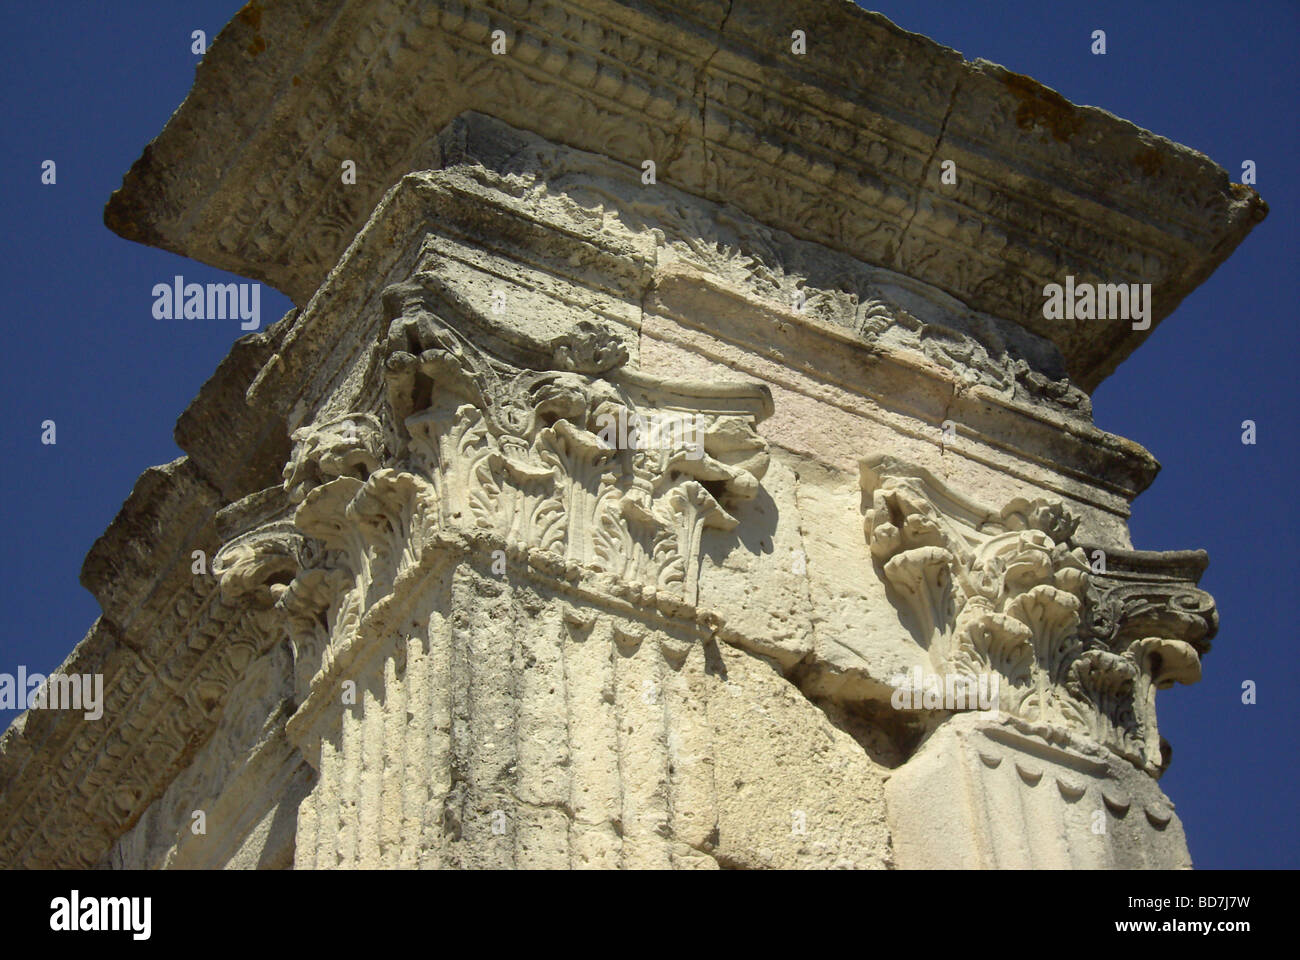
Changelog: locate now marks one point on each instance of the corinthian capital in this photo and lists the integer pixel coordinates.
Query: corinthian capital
(1009, 592)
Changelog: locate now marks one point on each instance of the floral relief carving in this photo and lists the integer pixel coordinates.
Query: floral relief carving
(1010, 593)
(558, 448)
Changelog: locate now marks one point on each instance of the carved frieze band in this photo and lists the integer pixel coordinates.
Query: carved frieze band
(1010, 593)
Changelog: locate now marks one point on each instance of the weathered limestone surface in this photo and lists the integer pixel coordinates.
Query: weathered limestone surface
(451, 621)
(1002, 794)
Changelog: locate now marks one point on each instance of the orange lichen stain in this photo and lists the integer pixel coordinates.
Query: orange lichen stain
(1149, 161)
(1245, 192)
(1040, 106)
(251, 14)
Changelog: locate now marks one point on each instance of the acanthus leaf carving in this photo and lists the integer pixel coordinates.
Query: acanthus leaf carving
(1011, 593)
(561, 449)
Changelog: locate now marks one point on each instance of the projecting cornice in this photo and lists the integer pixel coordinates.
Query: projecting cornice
(842, 145)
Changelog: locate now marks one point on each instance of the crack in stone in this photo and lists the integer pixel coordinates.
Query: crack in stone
(807, 580)
(702, 97)
(925, 174)
(947, 409)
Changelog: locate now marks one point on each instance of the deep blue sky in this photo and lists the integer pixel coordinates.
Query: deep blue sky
(89, 84)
